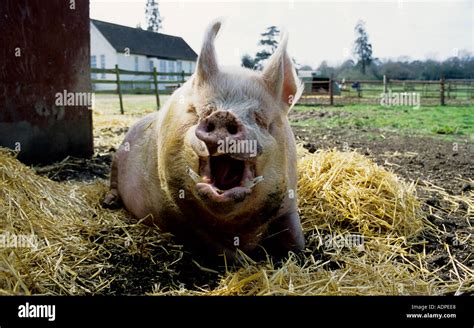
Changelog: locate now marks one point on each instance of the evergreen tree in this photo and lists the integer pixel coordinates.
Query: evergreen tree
(248, 61)
(153, 17)
(362, 47)
(268, 43)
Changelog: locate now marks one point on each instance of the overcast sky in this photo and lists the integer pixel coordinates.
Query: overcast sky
(318, 30)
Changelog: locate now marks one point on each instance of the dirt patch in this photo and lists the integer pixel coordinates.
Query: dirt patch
(297, 116)
(79, 169)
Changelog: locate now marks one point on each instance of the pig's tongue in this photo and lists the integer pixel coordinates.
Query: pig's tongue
(226, 172)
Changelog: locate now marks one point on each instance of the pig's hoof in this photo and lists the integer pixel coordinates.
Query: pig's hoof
(112, 200)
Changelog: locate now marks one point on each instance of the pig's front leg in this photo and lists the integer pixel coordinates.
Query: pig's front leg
(285, 234)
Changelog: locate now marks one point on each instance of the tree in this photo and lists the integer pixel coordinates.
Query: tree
(268, 43)
(362, 47)
(153, 17)
(269, 37)
(248, 61)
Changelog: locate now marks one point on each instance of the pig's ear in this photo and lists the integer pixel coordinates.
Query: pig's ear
(280, 75)
(207, 62)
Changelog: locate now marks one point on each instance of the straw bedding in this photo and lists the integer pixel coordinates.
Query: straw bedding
(365, 229)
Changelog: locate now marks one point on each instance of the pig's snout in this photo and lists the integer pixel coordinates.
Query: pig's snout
(220, 126)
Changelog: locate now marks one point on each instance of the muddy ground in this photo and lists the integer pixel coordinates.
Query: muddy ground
(447, 164)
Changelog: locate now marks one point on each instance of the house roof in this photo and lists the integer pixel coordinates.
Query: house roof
(142, 42)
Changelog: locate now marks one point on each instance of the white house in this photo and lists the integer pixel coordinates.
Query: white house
(138, 50)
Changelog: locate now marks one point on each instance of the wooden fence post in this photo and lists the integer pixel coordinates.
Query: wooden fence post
(182, 77)
(155, 81)
(385, 84)
(441, 91)
(119, 90)
(331, 92)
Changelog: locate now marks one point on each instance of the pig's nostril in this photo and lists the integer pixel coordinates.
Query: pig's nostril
(210, 127)
(232, 128)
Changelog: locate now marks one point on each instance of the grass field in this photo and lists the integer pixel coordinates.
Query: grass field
(447, 121)
(133, 104)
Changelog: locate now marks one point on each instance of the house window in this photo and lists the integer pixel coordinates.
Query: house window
(136, 63)
(94, 65)
(189, 67)
(151, 65)
(171, 69)
(102, 65)
(179, 67)
(163, 69)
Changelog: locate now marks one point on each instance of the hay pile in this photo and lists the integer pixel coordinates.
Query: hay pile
(364, 228)
(70, 237)
(344, 189)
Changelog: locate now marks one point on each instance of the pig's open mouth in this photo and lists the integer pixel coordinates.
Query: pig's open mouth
(225, 178)
(226, 172)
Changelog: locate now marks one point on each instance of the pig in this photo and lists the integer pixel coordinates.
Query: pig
(216, 165)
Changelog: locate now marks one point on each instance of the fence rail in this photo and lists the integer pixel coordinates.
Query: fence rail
(318, 92)
(154, 80)
(331, 90)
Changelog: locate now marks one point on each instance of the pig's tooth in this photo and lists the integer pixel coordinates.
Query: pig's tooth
(196, 177)
(251, 184)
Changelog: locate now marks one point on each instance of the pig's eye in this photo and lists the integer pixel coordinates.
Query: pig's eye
(260, 120)
(191, 109)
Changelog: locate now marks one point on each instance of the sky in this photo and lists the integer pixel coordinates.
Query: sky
(318, 29)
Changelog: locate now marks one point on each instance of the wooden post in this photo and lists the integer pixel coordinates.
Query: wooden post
(441, 91)
(155, 81)
(331, 92)
(119, 90)
(182, 77)
(385, 84)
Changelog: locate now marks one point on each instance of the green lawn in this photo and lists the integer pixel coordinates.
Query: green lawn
(132, 104)
(448, 121)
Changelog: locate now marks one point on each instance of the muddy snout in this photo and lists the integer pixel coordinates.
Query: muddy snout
(224, 133)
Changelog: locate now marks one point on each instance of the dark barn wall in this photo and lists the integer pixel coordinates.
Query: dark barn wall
(44, 50)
